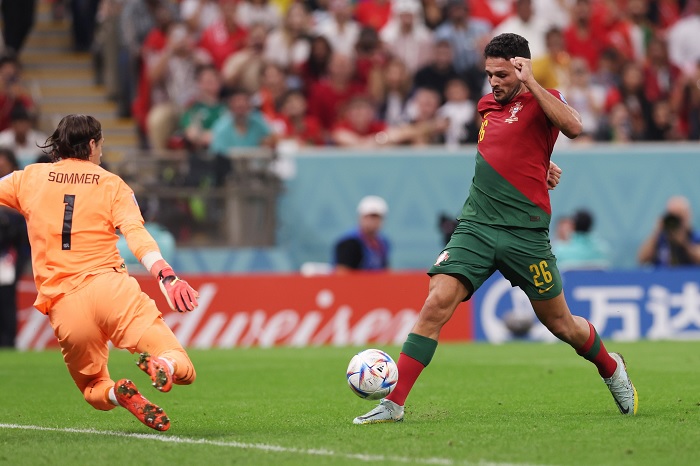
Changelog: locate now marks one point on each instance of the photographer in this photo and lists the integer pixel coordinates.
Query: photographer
(673, 242)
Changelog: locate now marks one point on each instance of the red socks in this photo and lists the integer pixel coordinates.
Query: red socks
(409, 370)
(594, 350)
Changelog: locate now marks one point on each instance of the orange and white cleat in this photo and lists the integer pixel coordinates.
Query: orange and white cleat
(158, 369)
(151, 415)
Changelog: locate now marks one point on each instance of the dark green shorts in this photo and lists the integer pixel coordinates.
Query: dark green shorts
(523, 255)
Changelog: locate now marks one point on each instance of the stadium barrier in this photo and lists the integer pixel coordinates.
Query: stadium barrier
(380, 308)
(281, 310)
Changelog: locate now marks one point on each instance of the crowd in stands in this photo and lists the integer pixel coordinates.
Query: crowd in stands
(390, 72)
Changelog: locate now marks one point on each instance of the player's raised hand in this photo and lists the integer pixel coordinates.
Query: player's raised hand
(523, 68)
(553, 175)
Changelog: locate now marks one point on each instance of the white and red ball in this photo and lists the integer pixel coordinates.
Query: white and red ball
(372, 374)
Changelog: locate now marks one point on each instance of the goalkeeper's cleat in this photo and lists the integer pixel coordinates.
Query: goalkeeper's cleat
(621, 387)
(148, 413)
(158, 370)
(385, 411)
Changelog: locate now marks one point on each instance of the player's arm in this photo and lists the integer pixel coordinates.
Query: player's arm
(180, 295)
(557, 110)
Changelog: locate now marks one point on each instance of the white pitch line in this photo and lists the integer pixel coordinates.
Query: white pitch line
(257, 446)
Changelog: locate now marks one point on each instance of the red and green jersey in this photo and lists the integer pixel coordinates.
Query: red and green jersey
(510, 180)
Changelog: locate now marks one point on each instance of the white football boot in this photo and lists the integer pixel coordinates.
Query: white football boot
(621, 387)
(385, 411)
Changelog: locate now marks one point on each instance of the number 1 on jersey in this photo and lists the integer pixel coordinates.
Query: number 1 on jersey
(69, 201)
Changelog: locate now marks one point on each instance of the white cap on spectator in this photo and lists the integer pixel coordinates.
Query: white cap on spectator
(372, 205)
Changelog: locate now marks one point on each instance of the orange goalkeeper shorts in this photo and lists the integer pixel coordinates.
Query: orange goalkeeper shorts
(110, 307)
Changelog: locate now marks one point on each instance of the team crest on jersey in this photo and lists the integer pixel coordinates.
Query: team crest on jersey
(444, 255)
(517, 106)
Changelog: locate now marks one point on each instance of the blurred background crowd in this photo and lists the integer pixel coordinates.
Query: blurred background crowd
(365, 73)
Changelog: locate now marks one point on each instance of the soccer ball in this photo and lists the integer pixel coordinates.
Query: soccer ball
(372, 374)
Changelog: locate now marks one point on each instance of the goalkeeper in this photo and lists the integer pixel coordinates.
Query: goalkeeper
(73, 207)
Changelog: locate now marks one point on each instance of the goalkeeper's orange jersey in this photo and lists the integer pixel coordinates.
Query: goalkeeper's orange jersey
(73, 208)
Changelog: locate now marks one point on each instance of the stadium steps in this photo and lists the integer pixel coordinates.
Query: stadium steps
(64, 82)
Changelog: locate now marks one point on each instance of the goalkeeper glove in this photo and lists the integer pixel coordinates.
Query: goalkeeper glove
(180, 295)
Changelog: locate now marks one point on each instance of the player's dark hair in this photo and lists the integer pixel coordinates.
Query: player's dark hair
(71, 139)
(507, 46)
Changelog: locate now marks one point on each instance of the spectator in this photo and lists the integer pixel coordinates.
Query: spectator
(260, 12)
(14, 256)
(664, 125)
(436, 74)
(524, 23)
(200, 14)
(552, 69)
(683, 43)
(466, 35)
(587, 97)
(273, 85)
(240, 127)
(295, 124)
(359, 127)
(630, 92)
(556, 13)
(288, 45)
(662, 79)
(563, 229)
(18, 20)
(242, 68)
(370, 56)
(315, 68)
(584, 37)
(364, 247)
(12, 90)
(673, 242)
(460, 113)
(83, 23)
(391, 88)
(226, 36)
(328, 96)
(374, 14)
(493, 12)
(405, 36)
(172, 74)
(691, 103)
(199, 118)
(617, 126)
(149, 49)
(21, 137)
(137, 20)
(583, 250)
(426, 125)
(340, 29)
(434, 13)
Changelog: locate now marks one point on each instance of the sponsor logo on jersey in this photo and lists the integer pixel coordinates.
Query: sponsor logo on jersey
(444, 255)
(517, 106)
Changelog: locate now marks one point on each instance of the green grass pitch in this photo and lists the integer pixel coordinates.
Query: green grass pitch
(476, 404)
